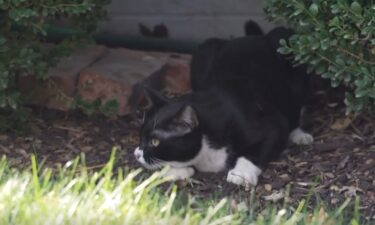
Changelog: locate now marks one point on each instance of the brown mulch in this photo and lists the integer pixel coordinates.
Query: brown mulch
(339, 165)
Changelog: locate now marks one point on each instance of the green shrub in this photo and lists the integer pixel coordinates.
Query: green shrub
(336, 38)
(23, 27)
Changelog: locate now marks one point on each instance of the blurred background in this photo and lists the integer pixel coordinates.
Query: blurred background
(193, 20)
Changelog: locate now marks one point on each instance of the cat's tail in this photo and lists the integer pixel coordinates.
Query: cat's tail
(252, 28)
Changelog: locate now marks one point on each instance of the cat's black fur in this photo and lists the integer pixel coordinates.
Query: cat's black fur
(207, 67)
(246, 100)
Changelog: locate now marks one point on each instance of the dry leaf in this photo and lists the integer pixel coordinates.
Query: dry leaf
(86, 148)
(301, 164)
(241, 207)
(322, 215)
(275, 196)
(233, 205)
(4, 149)
(334, 201)
(343, 162)
(341, 123)
(4, 137)
(268, 187)
(284, 176)
(329, 175)
(323, 218)
(350, 191)
(305, 184)
(369, 161)
(22, 152)
(334, 188)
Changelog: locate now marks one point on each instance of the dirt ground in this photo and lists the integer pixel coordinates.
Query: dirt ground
(339, 165)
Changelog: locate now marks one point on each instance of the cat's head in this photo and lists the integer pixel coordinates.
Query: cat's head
(170, 133)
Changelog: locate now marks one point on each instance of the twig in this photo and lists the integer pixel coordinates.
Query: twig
(96, 166)
(72, 148)
(355, 56)
(330, 182)
(331, 146)
(67, 128)
(359, 133)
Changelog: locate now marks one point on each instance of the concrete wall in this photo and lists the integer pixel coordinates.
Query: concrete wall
(185, 19)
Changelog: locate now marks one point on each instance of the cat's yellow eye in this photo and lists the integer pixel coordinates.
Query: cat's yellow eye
(155, 142)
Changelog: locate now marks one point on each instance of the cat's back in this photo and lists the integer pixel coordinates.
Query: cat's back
(203, 61)
(244, 50)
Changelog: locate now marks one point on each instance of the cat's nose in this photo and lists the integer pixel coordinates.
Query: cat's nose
(138, 153)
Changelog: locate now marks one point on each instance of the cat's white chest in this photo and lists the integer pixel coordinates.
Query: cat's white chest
(209, 159)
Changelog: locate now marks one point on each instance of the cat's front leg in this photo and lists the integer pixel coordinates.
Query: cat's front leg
(179, 173)
(300, 137)
(244, 173)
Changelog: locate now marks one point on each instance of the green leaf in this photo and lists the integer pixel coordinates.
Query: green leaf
(315, 61)
(284, 50)
(321, 69)
(314, 9)
(348, 36)
(335, 9)
(22, 49)
(4, 48)
(45, 12)
(3, 102)
(333, 42)
(361, 93)
(365, 71)
(340, 60)
(371, 94)
(97, 103)
(325, 44)
(2, 40)
(12, 103)
(110, 107)
(334, 22)
(315, 46)
(297, 12)
(356, 7)
(334, 83)
(23, 52)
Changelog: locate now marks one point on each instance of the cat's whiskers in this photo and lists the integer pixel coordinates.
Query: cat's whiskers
(157, 163)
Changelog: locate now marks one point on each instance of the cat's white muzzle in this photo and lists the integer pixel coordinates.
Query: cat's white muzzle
(138, 153)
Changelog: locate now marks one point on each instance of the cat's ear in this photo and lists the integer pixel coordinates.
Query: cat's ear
(154, 99)
(187, 117)
(182, 123)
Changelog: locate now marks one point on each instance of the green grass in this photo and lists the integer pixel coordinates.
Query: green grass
(75, 195)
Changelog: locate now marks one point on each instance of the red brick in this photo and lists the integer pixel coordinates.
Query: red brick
(113, 76)
(93, 86)
(177, 77)
(59, 91)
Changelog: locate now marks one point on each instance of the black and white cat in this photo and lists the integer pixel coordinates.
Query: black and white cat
(245, 104)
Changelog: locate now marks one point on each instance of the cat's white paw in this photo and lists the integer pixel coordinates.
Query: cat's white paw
(299, 137)
(245, 173)
(179, 173)
(242, 178)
